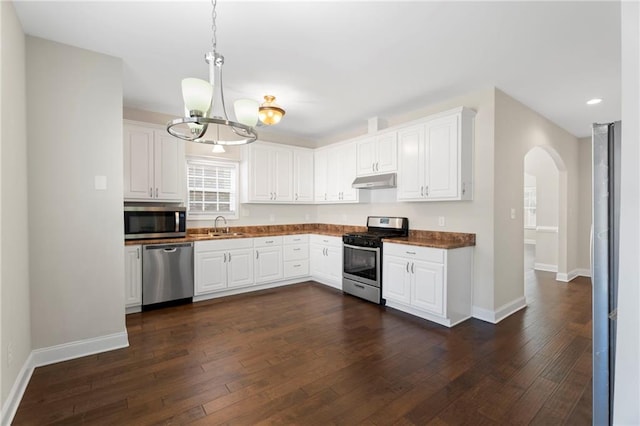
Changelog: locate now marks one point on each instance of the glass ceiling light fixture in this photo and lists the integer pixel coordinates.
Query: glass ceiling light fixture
(270, 112)
(206, 119)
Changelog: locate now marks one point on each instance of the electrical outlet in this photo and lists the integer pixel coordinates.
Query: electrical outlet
(10, 354)
(513, 213)
(441, 221)
(272, 217)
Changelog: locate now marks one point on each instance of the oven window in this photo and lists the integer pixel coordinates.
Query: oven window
(361, 263)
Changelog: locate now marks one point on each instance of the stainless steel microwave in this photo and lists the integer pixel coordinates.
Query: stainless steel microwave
(142, 222)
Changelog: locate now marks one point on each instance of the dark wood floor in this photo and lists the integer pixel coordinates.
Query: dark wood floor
(306, 354)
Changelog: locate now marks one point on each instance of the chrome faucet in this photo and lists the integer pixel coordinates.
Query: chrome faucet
(215, 225)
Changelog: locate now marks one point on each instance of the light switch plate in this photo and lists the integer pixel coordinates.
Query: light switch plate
(441, 221)
(100, 183)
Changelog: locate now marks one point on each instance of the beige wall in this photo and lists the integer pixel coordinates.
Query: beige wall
(518, 130)
(584, 206)
(75, 231)
(14, 278)
(460, 216)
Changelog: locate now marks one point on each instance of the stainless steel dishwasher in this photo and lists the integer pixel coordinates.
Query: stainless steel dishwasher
(167, 273)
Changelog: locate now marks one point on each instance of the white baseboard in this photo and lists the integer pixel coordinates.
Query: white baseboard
(80, 348)
(12, 402)
(547, 267)
(501, 313)
(565, 278)
(52, 355)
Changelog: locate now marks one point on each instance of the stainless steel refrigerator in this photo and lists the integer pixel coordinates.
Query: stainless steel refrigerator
(605, 235)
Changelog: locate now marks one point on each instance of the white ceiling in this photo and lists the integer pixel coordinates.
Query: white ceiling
(333, 65)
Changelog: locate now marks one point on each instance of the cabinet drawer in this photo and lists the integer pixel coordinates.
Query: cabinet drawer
(267, 241)
(296, 268)
(428, 254)
(325, 240)
(296, 252)
(228, 244)
(296, 239)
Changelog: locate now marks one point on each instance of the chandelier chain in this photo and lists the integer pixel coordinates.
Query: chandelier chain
(214, 39)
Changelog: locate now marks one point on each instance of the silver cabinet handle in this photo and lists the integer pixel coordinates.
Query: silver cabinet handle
(229, 257)
(377, 167)
(275, 196)
(412, 268)
(411, 252)
(225, 258)
(422, 191)
(296, 249)
(137, 253)
(426, 192)
(156, 192)
(296, 196)
(325, 196)
(257, 254)
(463, 188)
(150, 192)
(269, 242)
(325, 241)
(407, 267)
(297, 266)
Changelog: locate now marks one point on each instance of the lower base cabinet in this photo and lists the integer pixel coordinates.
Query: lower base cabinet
(435, 284)
(268, 259)
(223, 264)
(133, 278)
(326, 259)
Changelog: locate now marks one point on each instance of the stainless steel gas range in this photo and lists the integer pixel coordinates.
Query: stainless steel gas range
(362, 256)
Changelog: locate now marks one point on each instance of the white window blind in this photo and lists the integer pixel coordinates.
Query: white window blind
(212, 187)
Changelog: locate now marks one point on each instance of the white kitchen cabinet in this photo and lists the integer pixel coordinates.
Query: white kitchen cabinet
(377, 154)
(295, 253)
(133, 278)
(326, 260)
(435, 284)
(153, 164)
(303, 175)
(335, 171)
(223, 264)
(435, 158)
(267, 173)
(268, 259)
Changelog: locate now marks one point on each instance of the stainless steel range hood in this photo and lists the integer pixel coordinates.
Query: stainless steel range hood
(387, 180)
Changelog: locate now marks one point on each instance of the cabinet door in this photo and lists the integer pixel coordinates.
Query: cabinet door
(428, 286)
(334, 172)
(387, 153)
(138, 163)
(320, 175)
(411, 163)
(333, 265)
(366, 153)
(348, 161)
(240, 268)
(268, 265)
(168, 167)
(133, 276)
(318, 261)
(260, 179)
(441, 166)
(282, 174)
(303, 175)
(396, 278)
(211, 272)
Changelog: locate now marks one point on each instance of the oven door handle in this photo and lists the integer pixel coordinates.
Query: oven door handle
(362, 248)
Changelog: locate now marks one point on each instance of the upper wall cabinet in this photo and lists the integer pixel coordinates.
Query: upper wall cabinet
(303, 175)
(435, 158)
(275, 174)
(377, 154)
(335, 171)
(153, 164)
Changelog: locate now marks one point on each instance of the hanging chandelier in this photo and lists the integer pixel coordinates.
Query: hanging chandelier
(206, 119)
